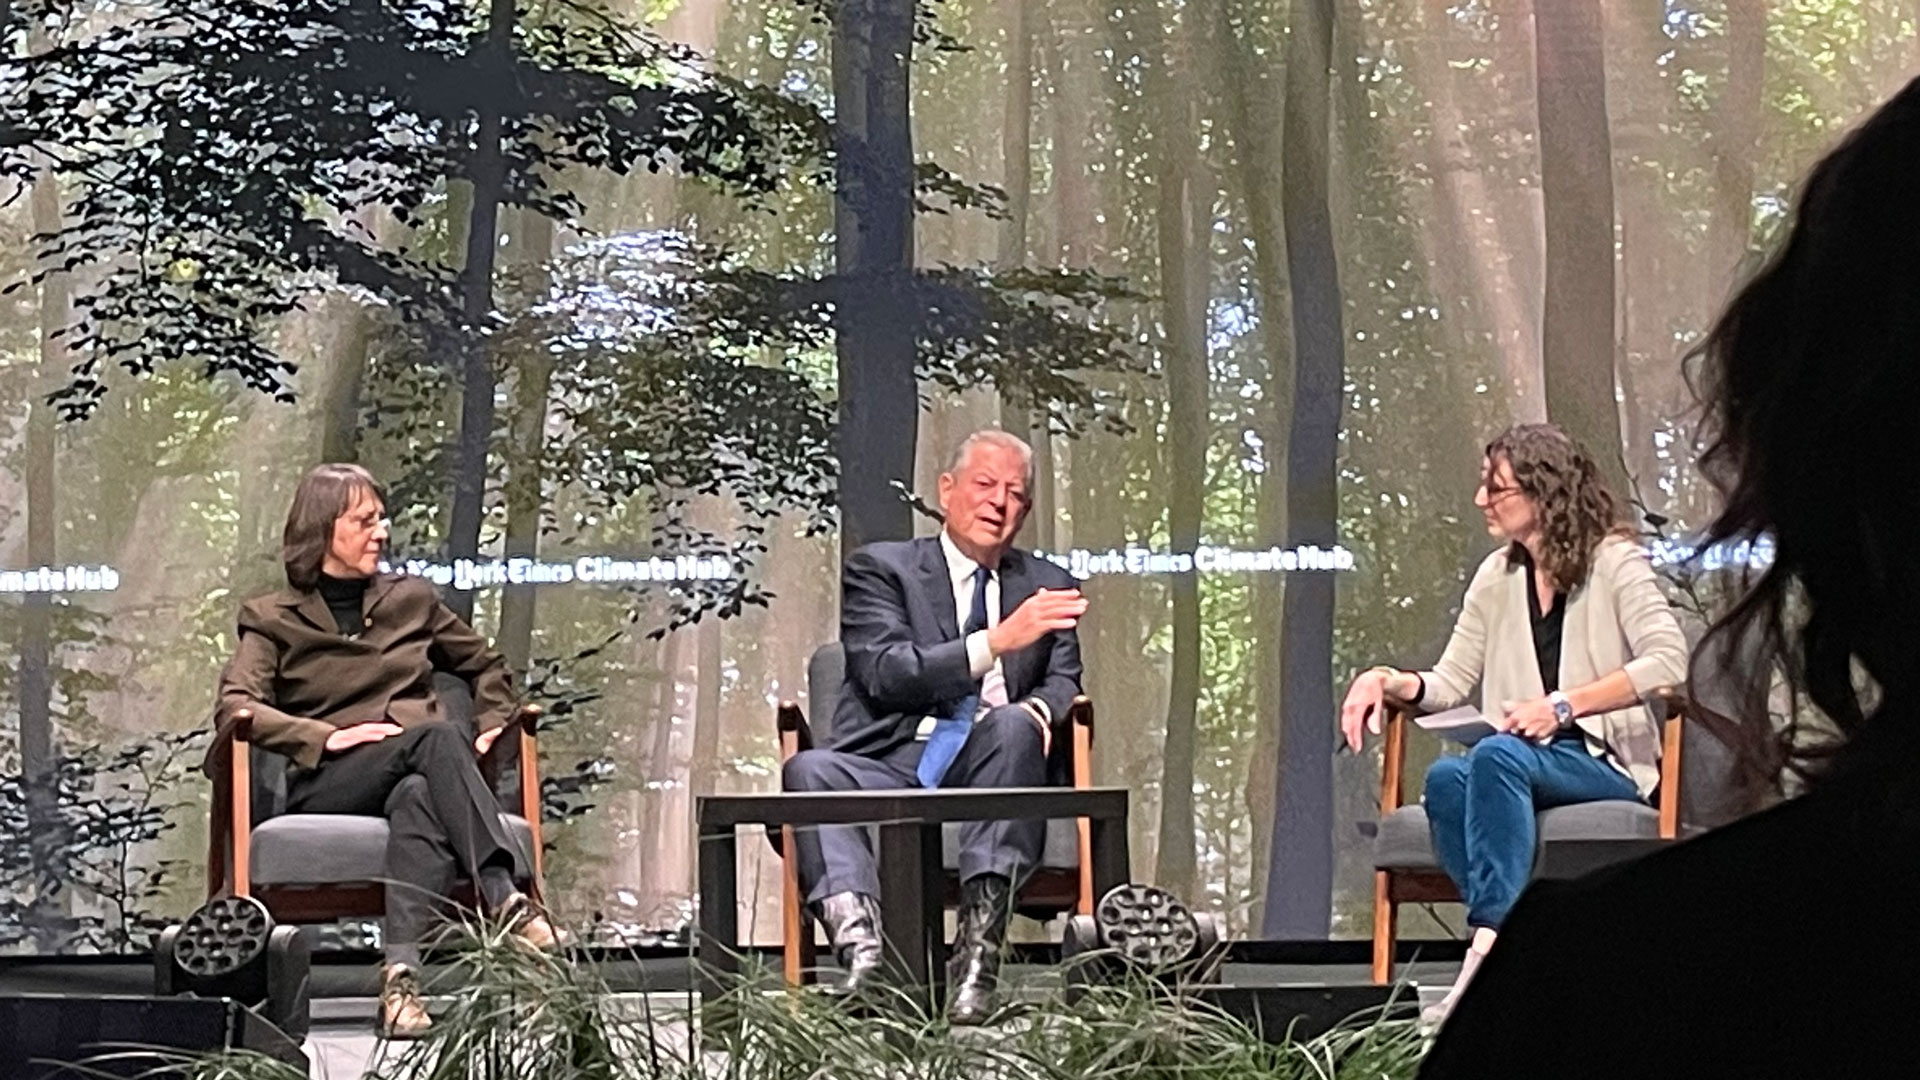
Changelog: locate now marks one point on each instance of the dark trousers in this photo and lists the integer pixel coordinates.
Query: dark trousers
(444, 820)
(1003, 750)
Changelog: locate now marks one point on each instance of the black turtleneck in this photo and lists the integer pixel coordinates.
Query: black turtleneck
(343, 597)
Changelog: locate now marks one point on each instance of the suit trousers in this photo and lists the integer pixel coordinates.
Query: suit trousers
(1004, 749)
(444, 821)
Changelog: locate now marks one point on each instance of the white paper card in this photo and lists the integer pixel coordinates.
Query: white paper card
(1465, 725)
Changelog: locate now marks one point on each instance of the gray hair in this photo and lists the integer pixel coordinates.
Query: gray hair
(1005, 440)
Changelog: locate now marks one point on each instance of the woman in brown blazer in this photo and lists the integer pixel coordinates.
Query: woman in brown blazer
(337, 672)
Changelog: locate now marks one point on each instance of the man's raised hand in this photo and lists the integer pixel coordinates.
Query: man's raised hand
(1037, 616)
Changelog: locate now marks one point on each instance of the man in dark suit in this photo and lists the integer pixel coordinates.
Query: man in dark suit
(961, 654)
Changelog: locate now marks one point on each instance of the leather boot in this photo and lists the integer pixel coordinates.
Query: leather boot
(853, 925)
(973, 973)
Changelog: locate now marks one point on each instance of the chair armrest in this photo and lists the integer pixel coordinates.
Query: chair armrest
(1669, 706)
(1667, 703)
(1393, 756)
(516, 743)
(230, 830)
(790, 726)
(1079, 715)
(516, 735)
(1080, 731)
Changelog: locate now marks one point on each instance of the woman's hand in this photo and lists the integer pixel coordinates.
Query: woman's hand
(347, 738)
(1533, 719)
(485, 740)
(1365, 700)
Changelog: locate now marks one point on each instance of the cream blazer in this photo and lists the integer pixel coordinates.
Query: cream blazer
(1617, 619)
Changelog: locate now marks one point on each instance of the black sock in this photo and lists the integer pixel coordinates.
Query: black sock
(496, 887)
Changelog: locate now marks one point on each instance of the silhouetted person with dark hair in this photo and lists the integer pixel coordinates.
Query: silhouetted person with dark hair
(1785, 944)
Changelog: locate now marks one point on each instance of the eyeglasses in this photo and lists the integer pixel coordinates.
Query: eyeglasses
(369, 522)
(1496, 492)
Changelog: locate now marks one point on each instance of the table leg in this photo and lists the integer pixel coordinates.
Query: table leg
(719, 911)
(1110, 862)
(903, 900)
(933, 909)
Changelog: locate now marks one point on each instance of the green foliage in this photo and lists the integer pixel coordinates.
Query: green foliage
(88, 847)
(220, 156)
(514, 1013)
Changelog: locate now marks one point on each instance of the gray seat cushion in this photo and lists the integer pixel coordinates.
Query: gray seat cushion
(340, 849)
(1405, 840)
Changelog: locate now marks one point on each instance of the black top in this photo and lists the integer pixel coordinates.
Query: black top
(1778, 946)
(1547, 626)
(344, 597)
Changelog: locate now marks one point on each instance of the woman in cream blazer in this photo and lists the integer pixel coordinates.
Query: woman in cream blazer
(1564, 630)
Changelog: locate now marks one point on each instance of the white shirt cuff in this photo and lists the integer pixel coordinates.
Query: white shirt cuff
(979, 656)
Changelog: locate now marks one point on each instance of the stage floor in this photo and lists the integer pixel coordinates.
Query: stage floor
(342, 1044)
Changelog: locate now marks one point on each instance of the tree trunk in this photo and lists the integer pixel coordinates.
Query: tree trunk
(533, 380)
(1074, 195)
(1576, 182)
(1182, 214)
(1027, 419)
(1256, 125)
(1467, 258)
(875, 326)
(1016, 136)
(1737, 142)
(657, 830)
(340, 407)
(487, 177)
(703, 768)
(1639, 109)
(38, 765)
(1300, 865)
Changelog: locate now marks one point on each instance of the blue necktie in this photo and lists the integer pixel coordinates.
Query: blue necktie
(950, 732)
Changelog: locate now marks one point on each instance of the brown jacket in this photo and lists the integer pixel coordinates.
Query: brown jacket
(302, 679)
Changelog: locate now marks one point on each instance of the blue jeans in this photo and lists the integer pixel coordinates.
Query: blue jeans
(1481, 809)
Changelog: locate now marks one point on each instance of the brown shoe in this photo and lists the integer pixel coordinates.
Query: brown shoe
(403, 1012)
(527, 922)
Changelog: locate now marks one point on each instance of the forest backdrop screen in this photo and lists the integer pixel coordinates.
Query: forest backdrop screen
(1257, 323)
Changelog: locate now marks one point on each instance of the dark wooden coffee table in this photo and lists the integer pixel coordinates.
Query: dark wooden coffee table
(908, 822)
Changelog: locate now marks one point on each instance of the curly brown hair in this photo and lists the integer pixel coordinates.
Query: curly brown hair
(1575, 507)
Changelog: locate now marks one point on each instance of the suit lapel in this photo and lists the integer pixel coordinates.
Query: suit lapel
(377, 590)
(311, 607)
(938, 582)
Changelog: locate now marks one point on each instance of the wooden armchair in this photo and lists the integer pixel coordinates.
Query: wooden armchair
(1062, 883)
(1406, 871)
(317, 868)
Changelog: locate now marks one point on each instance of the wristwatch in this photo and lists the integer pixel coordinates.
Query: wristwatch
(1562, 709)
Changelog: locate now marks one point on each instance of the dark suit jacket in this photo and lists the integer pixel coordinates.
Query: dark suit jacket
(905, 657)
(302, 679)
